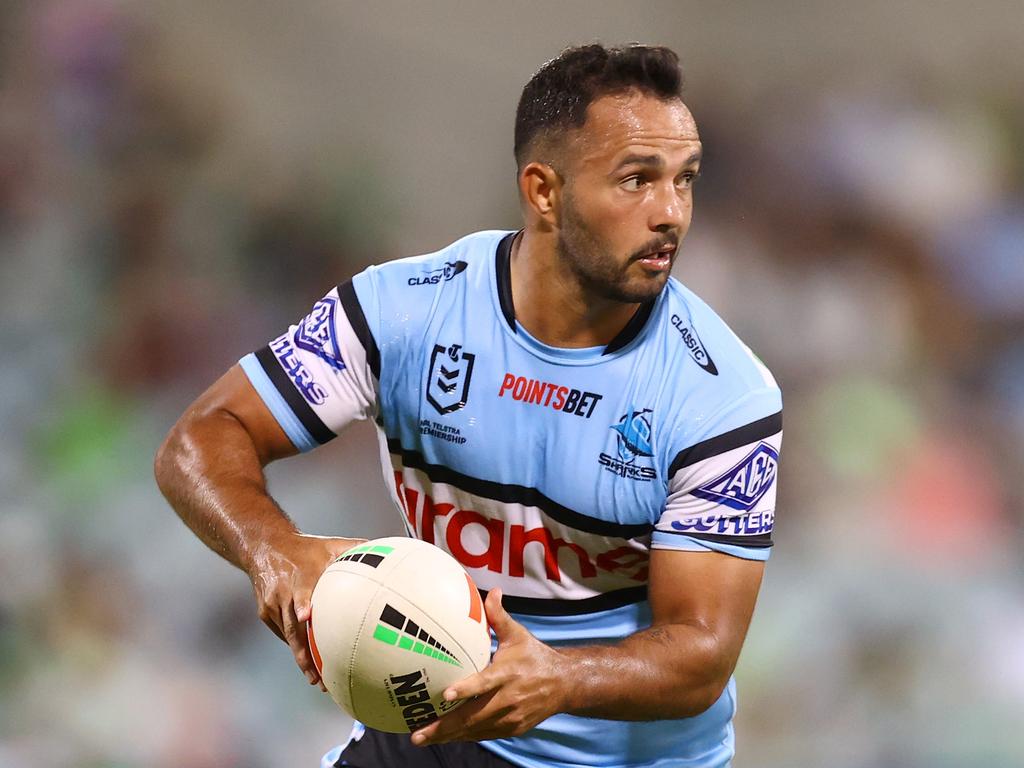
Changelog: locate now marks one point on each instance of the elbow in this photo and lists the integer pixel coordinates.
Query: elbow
(164, 462)
(703, 697)
(704, 689)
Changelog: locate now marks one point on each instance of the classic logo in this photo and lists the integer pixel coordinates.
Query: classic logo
(694, 345)
(435, 276)
(745, 484)
(633, 441)
(285, 353)
(448, 379)
(316, 333)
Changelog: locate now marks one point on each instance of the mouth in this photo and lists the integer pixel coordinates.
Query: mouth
(660, 259)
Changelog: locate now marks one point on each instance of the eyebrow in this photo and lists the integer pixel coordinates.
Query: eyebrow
(654, 161)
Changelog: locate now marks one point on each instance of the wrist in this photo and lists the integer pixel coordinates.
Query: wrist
(269, 544)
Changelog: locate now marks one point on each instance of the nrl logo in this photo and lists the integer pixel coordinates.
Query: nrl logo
(449, 377)
(745, 484)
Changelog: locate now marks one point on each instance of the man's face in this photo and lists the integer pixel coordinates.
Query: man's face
(628, 194)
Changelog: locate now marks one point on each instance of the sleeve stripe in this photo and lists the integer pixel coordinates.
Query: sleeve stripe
(736, 438)
(291, 425)
(689, 544)
(356, 318)
(302, 410)
(758, 541)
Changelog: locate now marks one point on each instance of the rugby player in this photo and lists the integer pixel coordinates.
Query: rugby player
(576, 427)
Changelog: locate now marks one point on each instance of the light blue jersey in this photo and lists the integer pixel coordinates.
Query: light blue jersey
(550, 473)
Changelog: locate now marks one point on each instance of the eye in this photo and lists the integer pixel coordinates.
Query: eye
(632, 183)
(686, 178)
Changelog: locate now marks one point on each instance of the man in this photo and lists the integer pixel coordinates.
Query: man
(583, 433)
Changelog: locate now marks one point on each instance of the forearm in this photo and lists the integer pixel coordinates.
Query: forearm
(663, 672)
(210, 473)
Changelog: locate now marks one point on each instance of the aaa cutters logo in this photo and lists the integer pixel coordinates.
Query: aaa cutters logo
(448, 379)
(316, 333)
(745, 484)
(435, 276)
(633, 446)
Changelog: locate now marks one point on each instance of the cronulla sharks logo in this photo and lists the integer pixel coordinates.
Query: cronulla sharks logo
(746, 483)
(633, 446)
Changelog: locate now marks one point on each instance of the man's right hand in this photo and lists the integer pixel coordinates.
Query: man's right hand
(283, 574)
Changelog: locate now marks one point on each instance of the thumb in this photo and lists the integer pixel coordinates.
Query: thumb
(504, 626)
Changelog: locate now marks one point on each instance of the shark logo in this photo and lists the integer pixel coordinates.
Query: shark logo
(634, 435)
(633, 441)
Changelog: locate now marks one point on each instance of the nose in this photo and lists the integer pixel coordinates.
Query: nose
(670, 210)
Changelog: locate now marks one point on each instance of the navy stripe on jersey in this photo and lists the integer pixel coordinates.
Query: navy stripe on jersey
(313, 424)
(729, 441)
(516, 494)
(632, 328)
(761, 541)
(538, 606)
(356, 318)
(503, 270)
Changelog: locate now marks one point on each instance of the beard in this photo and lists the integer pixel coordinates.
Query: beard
(602, 273)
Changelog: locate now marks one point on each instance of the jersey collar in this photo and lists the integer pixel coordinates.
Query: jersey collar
(503, 271)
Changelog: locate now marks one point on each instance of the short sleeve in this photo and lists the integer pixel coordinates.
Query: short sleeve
(722, 489)
(322, 373)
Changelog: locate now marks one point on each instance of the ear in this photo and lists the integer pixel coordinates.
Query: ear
(541, 187)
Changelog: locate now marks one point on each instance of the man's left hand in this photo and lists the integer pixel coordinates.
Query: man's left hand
(524, 684)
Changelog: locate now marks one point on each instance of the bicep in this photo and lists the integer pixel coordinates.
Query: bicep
(233, 396)
(710, 590)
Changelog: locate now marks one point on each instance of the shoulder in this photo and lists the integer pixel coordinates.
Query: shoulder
(724, 384)
(413, 275)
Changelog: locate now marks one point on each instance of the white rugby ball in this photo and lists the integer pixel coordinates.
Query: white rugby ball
(394, 622)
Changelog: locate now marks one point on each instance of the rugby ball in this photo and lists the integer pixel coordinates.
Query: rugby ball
(394, 622)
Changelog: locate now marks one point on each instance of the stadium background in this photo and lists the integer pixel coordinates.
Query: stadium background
(179, 180)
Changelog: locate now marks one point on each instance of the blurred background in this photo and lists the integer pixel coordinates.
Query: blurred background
(179, 180)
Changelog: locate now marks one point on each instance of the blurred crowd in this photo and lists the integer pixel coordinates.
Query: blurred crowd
(866, 241)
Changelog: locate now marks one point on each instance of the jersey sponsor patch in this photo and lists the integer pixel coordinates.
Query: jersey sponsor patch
(300, 375)
(549, 395)
(449, 377)
(316, 333)
(694, 345)
(742, 486)
(759, 524)
(435, 276)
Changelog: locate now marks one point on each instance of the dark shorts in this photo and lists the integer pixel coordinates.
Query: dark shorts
(375, 749)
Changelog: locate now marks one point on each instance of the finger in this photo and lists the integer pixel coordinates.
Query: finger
(467, 723)
(475, 685)
(273, 621)
(505, 627)
(298, 643)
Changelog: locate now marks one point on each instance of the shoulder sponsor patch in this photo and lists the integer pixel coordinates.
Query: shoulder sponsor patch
(694, 345)
(746, 483)
(316, 333)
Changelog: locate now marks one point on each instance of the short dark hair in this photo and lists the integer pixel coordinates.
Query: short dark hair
(557, 96)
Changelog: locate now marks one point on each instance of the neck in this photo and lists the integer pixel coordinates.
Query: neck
(552, 304)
